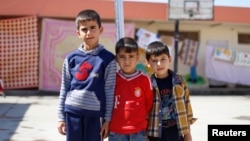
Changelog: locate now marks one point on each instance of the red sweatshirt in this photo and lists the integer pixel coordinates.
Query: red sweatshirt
(132, 103)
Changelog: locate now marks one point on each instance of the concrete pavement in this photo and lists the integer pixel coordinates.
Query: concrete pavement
(226, 110)
(29, 118)
(34, 117)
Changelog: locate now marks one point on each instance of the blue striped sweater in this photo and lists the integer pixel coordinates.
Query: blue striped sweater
(88, 82)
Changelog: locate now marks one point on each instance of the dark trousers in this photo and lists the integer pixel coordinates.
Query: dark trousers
(82, 128)
(168, 134)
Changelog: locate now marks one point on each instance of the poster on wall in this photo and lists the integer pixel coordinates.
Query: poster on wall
(58, 39)
(242, 59)
(224, 54)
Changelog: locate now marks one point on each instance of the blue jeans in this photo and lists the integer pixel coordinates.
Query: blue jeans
(139, 136)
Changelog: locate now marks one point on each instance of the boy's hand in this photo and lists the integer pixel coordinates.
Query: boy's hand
(188, 137)
(61, 127)
(105, 130)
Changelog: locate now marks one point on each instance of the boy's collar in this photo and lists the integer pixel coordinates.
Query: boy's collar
(93, 51)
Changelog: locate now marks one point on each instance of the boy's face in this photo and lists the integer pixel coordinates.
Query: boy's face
(89, 32)
(127, 61)
(159, 65)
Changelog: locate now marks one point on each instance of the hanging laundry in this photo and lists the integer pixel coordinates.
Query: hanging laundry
(189, 51)
(19, 52)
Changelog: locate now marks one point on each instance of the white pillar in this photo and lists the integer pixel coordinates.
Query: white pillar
(119, 19)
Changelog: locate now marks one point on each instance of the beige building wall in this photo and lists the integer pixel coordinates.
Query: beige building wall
(207, 31)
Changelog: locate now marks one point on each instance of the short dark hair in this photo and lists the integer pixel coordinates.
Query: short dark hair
(126, 43)
(156, 48)
(87, 15)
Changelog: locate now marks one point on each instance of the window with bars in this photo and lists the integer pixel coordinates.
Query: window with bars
(192, 35)
(243, 38)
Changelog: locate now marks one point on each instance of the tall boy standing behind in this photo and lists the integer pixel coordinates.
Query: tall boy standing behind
(87, 87)
(171, 114)
(133, 95)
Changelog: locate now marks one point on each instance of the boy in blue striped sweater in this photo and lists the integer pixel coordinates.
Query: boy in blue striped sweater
(87, 87)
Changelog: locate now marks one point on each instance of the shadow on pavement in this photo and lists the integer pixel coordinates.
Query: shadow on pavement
(11, 114)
